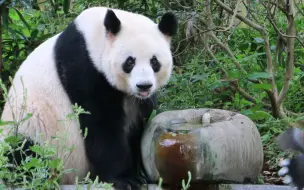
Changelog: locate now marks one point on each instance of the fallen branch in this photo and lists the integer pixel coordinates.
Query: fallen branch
(251, 98)
(290, 113)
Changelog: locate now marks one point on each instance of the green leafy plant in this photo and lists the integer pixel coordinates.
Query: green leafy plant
(184, 185)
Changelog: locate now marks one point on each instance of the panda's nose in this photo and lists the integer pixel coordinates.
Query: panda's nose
(144, 86)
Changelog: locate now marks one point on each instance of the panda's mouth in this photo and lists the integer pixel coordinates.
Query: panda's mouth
(143, 94)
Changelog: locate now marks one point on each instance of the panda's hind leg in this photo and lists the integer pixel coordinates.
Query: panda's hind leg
(17, 156)
(20, 150)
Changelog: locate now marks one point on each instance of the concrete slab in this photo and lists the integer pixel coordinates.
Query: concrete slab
(221, 187)
(255, 187)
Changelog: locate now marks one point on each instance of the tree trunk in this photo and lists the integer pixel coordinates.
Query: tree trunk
(1, 60)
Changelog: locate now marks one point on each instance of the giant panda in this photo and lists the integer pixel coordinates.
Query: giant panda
(110, 62)
(292, 169)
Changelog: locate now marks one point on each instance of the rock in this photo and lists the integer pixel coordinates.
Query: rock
(226, 147)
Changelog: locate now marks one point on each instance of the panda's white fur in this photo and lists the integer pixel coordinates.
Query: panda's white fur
(49, 102)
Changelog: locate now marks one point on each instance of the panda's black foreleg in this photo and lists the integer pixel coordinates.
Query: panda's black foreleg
(19, 152)
(125, 184)
(146, 108)
(135, 145)
(113, 152)
(111, 158)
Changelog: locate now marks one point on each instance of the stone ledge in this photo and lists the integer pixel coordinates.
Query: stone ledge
(221, 187)
(255, 187)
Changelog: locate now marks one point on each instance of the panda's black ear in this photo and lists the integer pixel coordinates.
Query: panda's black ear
(168, 24)
(111, 22)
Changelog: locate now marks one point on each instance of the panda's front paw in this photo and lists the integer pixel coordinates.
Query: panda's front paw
(121, 185)
(141, 180)
(137, 183)
(284, 171)
(293, 171)
(132, 183)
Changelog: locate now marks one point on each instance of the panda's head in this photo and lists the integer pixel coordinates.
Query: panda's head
(137, 58)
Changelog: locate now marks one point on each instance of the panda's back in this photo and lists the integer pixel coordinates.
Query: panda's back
(38, 75)
(37, 82)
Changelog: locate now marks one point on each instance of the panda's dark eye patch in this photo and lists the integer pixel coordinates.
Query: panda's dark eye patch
(155, 64)
(128, 65)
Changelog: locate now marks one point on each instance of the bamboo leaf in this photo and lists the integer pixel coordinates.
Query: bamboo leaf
(22, 19)
(258, 75)
(262, 86)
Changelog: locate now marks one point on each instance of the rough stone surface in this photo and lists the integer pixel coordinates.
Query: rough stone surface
(224, 146)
